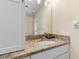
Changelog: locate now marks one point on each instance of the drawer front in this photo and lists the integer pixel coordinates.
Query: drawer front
(41, 55)
(62, 56)
(26, 58)
(58, 51)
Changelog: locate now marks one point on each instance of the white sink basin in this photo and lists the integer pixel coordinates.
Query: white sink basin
(43, 43)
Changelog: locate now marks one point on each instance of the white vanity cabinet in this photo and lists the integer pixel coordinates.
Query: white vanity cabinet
(61, 52)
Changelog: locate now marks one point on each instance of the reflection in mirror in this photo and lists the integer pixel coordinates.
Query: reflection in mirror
(38, 17)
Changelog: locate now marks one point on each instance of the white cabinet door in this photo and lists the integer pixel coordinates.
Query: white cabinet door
(26, 58)
(11, 26)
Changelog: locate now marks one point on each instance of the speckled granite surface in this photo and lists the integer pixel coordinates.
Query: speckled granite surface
(33, 47)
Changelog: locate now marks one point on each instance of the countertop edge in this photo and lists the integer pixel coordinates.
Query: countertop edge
(35, 52)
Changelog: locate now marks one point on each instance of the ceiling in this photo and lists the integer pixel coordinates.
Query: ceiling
(32, 6)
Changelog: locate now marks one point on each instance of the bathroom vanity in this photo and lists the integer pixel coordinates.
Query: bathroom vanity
(57, 49)
(61, 52)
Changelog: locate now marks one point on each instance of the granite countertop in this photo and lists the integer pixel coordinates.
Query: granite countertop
(33, 47)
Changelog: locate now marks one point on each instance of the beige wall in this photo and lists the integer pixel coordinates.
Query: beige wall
(44, 18)
(65, 12)
(29, 27)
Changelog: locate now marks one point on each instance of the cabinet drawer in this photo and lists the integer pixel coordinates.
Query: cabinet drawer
(42, 55)
(26, 57)
(59, 50)
(62, 56)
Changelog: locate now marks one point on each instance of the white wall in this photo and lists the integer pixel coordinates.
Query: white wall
(11, 26)
(65, 12)
(29, 25)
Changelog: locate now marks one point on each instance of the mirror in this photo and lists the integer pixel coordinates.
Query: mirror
(38, 17)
